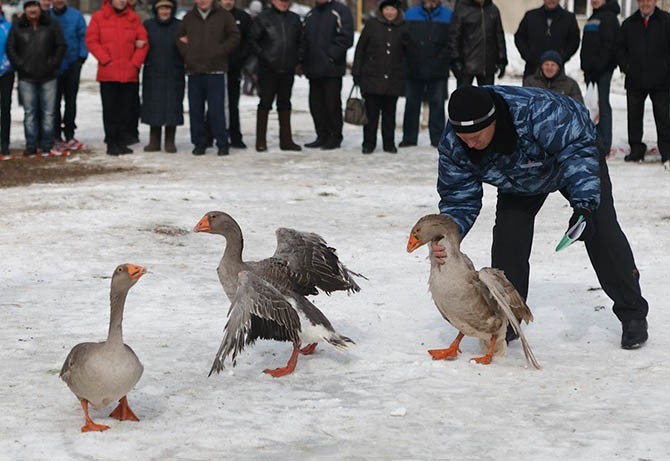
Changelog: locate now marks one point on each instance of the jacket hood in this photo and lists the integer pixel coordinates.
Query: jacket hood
(613, 6)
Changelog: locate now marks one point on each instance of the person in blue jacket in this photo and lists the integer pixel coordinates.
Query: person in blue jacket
(529, 142)
(427, 70)
(6, 86)
(74, 29)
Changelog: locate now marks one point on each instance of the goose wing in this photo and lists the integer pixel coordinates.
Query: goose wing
(255, 297)
(511, 304)
(313, 264)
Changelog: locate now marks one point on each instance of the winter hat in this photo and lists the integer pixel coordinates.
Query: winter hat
(551, 55)
(27, 3)
(160, 3)
(382, 3)
(471, 109)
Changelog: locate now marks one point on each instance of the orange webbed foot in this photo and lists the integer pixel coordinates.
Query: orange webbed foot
(90, 426)
(123, 412)
(483, 360)
(290, 366)
(308, 350)
(449, 353)
(93, 427)
(486, 359)
(444, 354)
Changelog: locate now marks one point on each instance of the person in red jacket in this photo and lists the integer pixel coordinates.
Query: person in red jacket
(119, 41)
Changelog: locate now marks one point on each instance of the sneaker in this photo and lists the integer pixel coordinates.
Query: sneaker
(30, 153)
(58, 144)
(74, 145)
(634, 333)
(666, 165)
(5, 157)
(56, 152)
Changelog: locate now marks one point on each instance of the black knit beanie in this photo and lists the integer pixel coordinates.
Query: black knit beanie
(471, 109)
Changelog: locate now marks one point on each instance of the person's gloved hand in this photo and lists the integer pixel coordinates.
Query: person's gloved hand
(501, 70)
(590, 229)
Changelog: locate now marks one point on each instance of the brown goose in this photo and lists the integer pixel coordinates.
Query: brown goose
(268, 296)
(101, 373)
(477, 304)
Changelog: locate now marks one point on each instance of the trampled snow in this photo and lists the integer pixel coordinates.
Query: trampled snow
(385, 399)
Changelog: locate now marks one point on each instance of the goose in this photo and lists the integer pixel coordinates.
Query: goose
(477, 303)
(104, 372)
(268, 297)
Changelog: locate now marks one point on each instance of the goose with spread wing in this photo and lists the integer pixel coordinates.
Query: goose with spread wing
(477, 303)
(268, 297)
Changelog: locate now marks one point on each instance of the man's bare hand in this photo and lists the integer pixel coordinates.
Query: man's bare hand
(140, 43)
(184, 39)
(438, 253)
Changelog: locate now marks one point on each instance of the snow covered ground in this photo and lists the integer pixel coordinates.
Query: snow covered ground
(386, 399)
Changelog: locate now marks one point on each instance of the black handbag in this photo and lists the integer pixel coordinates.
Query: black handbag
(354, 111)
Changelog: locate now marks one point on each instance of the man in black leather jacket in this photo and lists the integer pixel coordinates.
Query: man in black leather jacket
(275, 39)
(476, 43)
(35, 48)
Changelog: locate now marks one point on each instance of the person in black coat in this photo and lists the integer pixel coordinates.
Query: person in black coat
(476, 43)
(598, 61)
(35, 47)
(328, 33)
(236, 61)
(379, 70)
(163, 78)
(549, 27)
(275, 39)
(644, 56)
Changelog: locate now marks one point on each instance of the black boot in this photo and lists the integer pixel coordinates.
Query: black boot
(261, 130)
(637, 152)
(154, 140)
(634, 334)
(318, 142)
(170, 146)
(285, 138)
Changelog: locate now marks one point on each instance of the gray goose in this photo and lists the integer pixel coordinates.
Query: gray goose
(104, 372)
(268, 297)
(477, 303)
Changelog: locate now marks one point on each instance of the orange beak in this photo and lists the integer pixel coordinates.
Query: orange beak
(135, 272)
(203, 225)
(413, 243)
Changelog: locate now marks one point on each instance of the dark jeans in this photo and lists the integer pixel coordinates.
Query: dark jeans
(6, 86)
(608, 250)
(660, 100)
(233, 81)
(39, 102)
(466, 80)
(68, 87)
(605, 125)
(117, 98)
(271, 85)
(207, 89)
(436, 92)
(374, 105)
(325, 105)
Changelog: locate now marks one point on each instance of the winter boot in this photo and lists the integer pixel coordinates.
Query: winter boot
(154, 140)
(285, 138)
(170, 146)
(261, 130)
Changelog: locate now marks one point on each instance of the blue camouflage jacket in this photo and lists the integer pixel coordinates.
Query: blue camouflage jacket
(555, 150)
